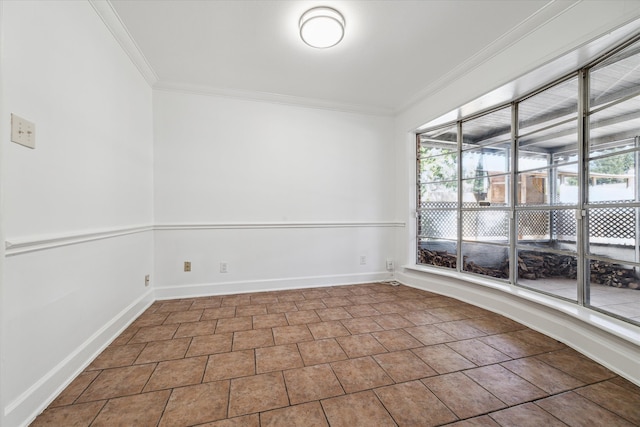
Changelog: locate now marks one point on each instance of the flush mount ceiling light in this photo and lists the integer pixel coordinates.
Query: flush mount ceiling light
(321, 27)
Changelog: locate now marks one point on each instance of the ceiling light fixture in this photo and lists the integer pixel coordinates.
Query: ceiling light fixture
(321, 27)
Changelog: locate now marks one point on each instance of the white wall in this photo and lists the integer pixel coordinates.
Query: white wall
(610, 342)
(279, 192)
(77, 210)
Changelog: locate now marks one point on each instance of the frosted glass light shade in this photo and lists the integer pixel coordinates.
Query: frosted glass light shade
(321, 27)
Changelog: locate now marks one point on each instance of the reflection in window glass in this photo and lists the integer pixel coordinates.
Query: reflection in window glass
(551, 107)
(554, 229)
(439, 253)
(549, 272)
(552, 186)
(438, 168)
(438, 142)
(440, 224)
(486, 226)
(486, 190)
(488, 129)
(434, 194)
(615, 78)
(487, 260)
(485, 160)
(613, 179)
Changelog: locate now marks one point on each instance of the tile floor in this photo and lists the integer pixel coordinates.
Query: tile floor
(360, 355)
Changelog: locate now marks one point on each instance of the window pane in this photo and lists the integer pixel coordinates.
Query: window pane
(446, 191)
(489, 225)
(442, 224)
(528, 160)
(613, 287)
(439, 168)
(487, 191)
(549, 272)
(615, 123)
(613, 179)
(438, 141)
(554, 105)
(441, 253)
(489, 128)
(560, 137)
(555, 229)
(613, 233)
(534, 187)
(484, 161)
(488, 260)
(616, 78)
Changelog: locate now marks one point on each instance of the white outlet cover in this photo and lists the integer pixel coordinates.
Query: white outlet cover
(23, 131)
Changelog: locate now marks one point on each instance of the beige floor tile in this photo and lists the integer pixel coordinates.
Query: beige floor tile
(210, 344)
(360, 374)
(404, 366)
(429, 334)
(478, 352)
(310, 304)
(321, 351)
(218, 313)
(302, 317)
(360, 345)
(411, 404)
(278, 358)
(192, 329)
(460, 330)
(233, 324)
(542, 375)
(252, 420)
(443, 359)
(256, 338)
(331, 302)
(324, 330)
(505, 385)
(358, 409)
(235, 300)
(196, 404)
(184, 316)
(118, 382)
(230, 365)
(462, 395)
(291, 334)
(576, 365)
(158, 351)
(526, 415)
(481, 421)
(307, 415)
(363, 310)
(177, 373)
(75, 389)
(269, 320)
(150, 319)
(575, 410)
(257, 393)
(361, 325)
(251, 310)
(312, 383)
(282, 307)
(80, 415)
(420, 318)
(392, 321)
(617, 399)
(143, 410)
(396, 339)
(335, 313)
(154, 333)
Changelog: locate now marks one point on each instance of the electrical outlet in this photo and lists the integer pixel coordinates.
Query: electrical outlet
(224, 267)
(147, 278)
(187, 266)
(23, 132)
(390, 265)
(363, 259)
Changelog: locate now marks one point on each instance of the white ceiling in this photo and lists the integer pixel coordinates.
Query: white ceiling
(394, 52)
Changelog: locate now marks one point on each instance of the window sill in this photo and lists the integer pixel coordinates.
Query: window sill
(611, 325)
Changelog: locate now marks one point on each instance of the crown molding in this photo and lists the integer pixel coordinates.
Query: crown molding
(273, 98)
(110, 17)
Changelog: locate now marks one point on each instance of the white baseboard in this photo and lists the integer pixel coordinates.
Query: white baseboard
(36, 398)
(238, 287)
(580, 328)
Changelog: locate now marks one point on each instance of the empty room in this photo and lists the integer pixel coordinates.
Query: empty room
(319, 213)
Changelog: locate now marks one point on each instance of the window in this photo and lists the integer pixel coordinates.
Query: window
(543, 192)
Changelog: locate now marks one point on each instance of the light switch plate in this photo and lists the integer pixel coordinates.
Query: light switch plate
(23, 132)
